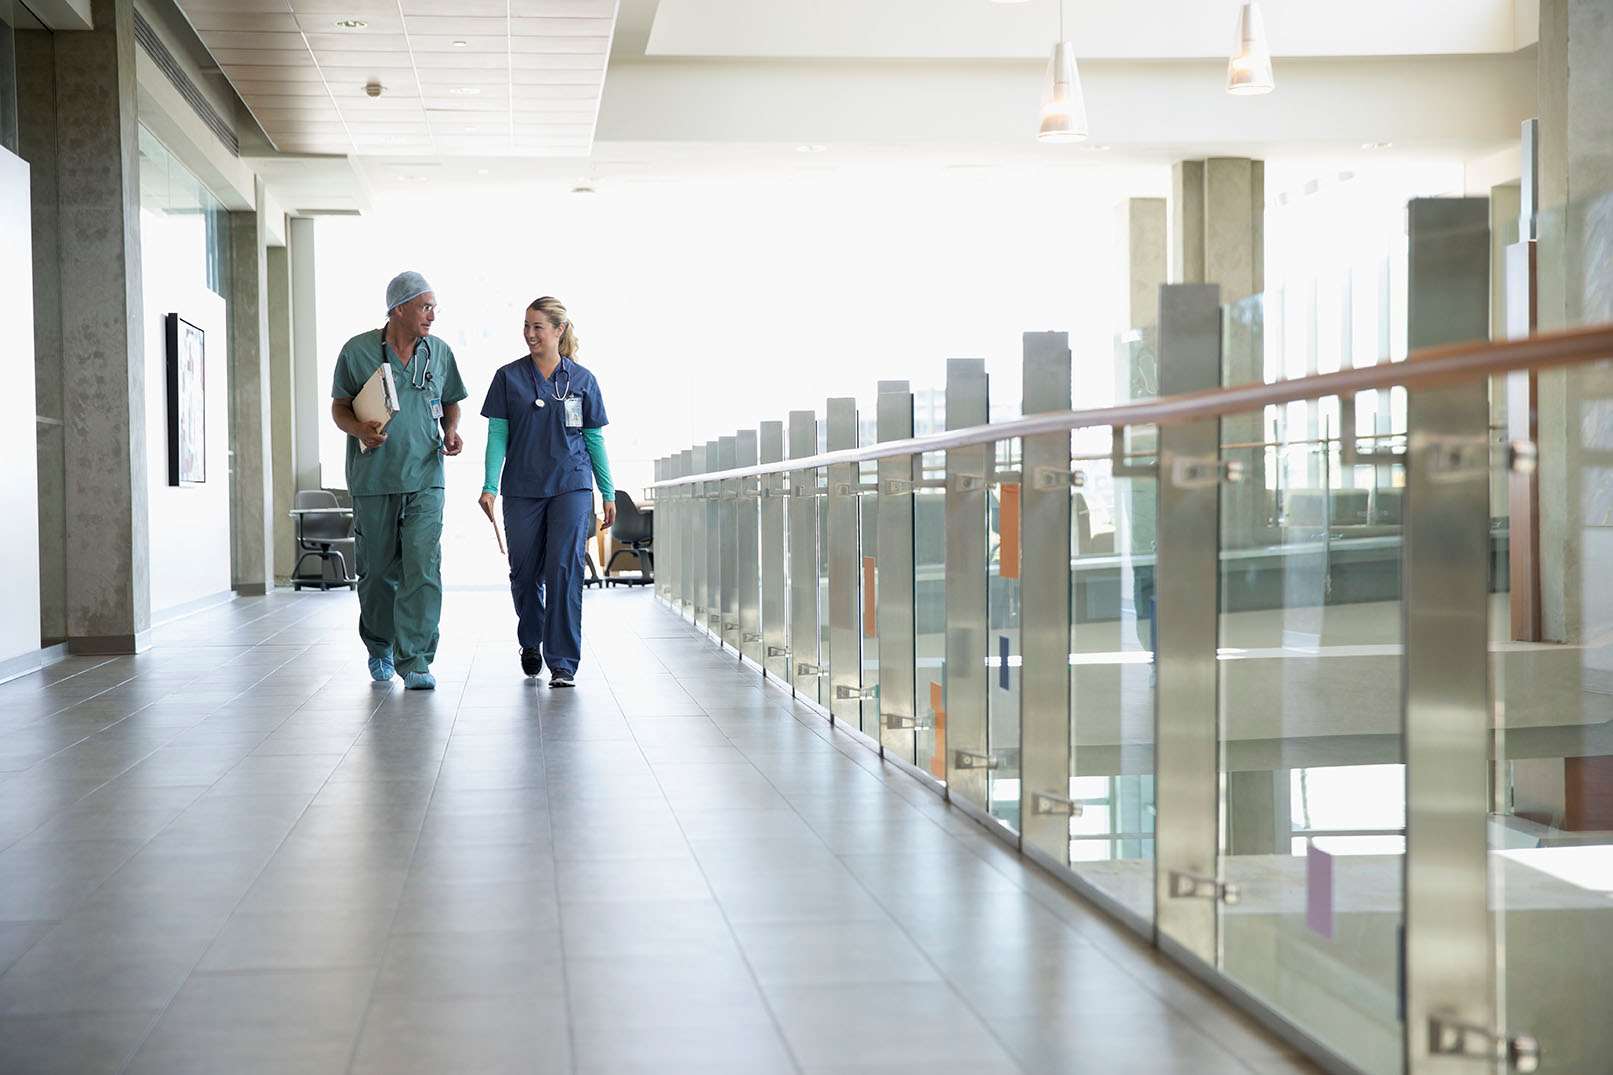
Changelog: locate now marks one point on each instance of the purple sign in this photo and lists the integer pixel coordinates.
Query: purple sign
(1319, 891)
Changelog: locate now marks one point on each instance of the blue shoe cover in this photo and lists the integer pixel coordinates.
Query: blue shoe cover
(381, 669)
(420, 681)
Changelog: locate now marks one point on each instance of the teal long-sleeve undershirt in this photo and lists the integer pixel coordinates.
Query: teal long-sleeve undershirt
(498, 443)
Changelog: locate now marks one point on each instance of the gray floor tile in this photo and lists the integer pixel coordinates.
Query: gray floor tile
(310, 937)
(525, 963)
(71, 1044)
(481, 1034)
(829, 953)
(472, 907)
(828, 1025)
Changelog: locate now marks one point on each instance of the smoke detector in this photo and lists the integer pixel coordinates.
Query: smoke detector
(373, 88)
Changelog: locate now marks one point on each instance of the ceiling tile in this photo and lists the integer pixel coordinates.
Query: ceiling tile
(441, 82)
(458, 60)
(449, 26)
(334, 42)
(324, 22)
(564, 9)
(534, 117)
(553, 77)
(345, 9)
(243, 21)
(365, 107)
(556, 93)
(306, 73)
(467, 104)
(365, 61)
(560, 27)
(424, 44)
(473, 8)
(236, 6)
(225, 39)
(261, 57)
(561, 61)
(251, 91)
(590, 46)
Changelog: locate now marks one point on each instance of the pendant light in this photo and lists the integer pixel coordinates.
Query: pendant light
(1064, 109)
(1249, 69)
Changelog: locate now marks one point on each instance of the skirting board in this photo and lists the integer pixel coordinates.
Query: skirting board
(26, 664)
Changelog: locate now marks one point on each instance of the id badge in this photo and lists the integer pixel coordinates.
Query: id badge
(573, 413)
(436, 410)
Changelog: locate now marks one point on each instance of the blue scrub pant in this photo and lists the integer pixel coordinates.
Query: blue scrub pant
(548, 540)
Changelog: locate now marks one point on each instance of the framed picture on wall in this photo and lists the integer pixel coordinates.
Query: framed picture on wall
(187, 402)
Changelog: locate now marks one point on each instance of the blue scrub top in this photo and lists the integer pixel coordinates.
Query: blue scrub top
(544, 458)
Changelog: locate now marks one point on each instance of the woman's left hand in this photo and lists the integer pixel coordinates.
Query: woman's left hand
(610, 516)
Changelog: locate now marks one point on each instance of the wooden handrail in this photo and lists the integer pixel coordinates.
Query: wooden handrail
(1422, 369)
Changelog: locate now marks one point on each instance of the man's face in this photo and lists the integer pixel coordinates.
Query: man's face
(417, 314)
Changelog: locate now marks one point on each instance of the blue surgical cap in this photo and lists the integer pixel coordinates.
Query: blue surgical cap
(405, 286)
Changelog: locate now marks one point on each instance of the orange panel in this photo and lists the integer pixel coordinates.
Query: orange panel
(1009, 528)
(869, 627)
(938, 758)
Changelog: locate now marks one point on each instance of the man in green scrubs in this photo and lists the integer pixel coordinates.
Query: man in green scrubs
(396, 478)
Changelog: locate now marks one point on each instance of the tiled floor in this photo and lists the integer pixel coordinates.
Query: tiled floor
(233, 854)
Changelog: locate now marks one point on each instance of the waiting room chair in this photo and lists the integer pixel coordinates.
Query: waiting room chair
(634, 532)
(327, 536)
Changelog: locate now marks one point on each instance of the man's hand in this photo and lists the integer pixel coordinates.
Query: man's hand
(486, 501)
(452, 442)
(610, 516)
(370, 434)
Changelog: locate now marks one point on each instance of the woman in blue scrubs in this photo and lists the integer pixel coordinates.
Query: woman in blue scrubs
(545, 414)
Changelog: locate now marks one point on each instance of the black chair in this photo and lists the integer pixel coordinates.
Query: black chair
(634, 532)
(323, 534)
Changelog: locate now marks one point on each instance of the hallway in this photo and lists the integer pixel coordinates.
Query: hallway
(233, 854)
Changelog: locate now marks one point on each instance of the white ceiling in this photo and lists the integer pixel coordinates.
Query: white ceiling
(515, 78)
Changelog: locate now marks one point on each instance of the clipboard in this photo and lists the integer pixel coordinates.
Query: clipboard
(377, 401)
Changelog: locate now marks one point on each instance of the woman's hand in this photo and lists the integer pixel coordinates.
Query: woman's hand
(486, 501)
(610, 516)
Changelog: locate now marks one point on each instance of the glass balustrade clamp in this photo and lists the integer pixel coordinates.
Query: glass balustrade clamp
(1447, 1037)
(1044, 802)
(964, 759)
(1189, 886)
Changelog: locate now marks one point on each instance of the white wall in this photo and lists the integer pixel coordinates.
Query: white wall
(190, 525)
(19, 478)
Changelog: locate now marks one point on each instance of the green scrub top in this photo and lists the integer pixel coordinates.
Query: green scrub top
(411, 459)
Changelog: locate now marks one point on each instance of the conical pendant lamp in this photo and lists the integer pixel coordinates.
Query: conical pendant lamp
(1064, 107)
(1249, 69)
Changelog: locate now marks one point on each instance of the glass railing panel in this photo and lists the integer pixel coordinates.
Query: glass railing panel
(867, 567)
(825, 688)
(1551, 660)
(930, 612)
(1111, 669)
(1003, 643)
(1312, 817)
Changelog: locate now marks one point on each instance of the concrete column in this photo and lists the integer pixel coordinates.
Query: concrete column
(251, 497)
(1218, 213)
(103, 363)
(282, 410)
(312, 398)
(37, 140)
(1575, 288)
(1143, 251)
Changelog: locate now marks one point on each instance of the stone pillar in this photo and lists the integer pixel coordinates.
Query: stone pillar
(103, 361)
(1218, 236)
(312, 397)
(1575, 279)
(282, 410)
(37, 140)
(1143, 251)
(251, 497)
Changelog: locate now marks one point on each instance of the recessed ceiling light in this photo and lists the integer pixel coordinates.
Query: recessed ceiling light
(811, 147)
(483, 171)
(351, 24)
(465, 91)
(415, 178)
(1376, 145)
(460, 44)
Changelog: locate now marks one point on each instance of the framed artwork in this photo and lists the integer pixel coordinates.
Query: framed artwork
(187, 402)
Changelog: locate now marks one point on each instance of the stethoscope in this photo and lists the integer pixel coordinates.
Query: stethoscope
(419, 372)
(557, 396)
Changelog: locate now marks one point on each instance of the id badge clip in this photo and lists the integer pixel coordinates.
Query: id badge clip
(573, 413)
(436, 410)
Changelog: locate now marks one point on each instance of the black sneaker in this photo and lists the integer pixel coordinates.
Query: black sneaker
(531, 660)
(561, 679)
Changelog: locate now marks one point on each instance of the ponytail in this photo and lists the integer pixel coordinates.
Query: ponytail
(555, 312)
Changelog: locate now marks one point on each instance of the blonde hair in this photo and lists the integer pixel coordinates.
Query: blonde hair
(554, 311)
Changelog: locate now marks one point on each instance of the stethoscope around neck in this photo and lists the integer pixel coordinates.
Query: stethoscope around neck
(554, 393)
(419, 372)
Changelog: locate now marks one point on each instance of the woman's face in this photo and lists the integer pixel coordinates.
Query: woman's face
(541, 337)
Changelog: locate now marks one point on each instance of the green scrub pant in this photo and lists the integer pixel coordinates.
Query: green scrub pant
(399, 539)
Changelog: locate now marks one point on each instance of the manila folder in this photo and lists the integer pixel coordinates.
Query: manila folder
(377, 401)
